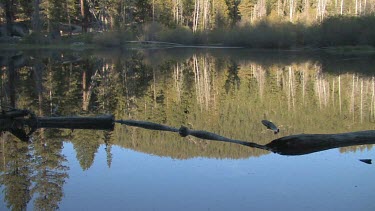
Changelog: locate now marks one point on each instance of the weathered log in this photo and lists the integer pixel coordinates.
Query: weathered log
(18, 126)
(105, 122)
(14, 113)
(309, 143)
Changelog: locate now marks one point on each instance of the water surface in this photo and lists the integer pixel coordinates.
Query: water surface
(227, 92)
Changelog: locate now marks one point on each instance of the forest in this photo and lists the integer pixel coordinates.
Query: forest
(276, 24)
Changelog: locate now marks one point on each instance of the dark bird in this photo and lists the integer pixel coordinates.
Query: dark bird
(271, 126)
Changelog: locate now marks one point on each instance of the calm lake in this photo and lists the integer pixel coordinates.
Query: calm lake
(224, 91)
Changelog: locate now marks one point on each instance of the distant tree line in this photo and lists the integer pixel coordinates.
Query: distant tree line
(154, 19)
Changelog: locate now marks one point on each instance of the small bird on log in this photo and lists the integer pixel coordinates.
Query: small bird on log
(271, 126)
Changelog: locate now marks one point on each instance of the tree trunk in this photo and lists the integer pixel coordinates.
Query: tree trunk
(9, 16)
(36, 17)
(291, 10)
(341, 7)
(84, 15)
(12, 85)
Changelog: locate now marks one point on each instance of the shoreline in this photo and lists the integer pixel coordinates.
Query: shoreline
(154, 45)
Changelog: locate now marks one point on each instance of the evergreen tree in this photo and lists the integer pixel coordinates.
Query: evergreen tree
(233, 11)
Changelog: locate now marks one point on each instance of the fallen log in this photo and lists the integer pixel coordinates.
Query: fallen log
(310, 143)
(287, 145)
(104, 122)
(184, 131)
(147, 125)
(15, 122)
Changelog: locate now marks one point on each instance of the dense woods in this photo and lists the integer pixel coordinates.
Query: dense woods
(251, 23)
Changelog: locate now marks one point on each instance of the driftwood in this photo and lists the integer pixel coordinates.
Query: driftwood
(15, 121)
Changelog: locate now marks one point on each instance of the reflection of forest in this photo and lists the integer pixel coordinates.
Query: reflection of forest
(223, 93)
(32, 172)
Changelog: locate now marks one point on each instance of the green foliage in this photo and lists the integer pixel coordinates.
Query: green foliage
(16, 178)
(179, 34)
(112, 38)
(233, 11)
(344, 31)
(262, 35)
(142, 11)
(252, 23)
(151, 31)
(86, 144)
(86, 38)
(36, 38)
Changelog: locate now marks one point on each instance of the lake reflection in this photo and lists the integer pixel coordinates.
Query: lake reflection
(227, 92)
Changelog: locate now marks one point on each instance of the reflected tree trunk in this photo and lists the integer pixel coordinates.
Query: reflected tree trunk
(38, 79)
(12, 83)
(361, 103)
(178, 81)
(333, 92)
(339, 82)
(352, 105)
(303, 86)
(84, 91)
(154, 86)
(372, 109)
